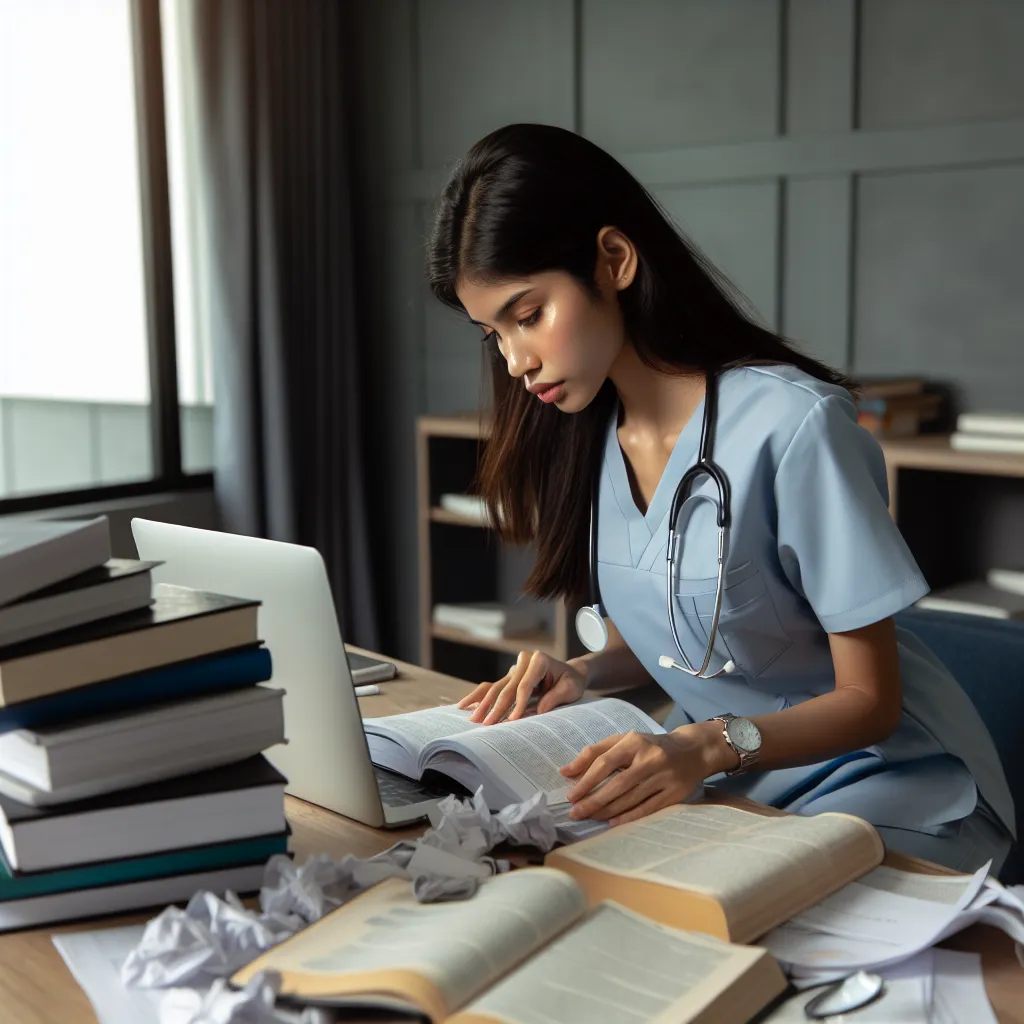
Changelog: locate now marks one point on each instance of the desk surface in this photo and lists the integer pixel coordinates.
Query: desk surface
(37, 988)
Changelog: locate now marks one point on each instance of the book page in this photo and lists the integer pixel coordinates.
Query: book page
(435, 955)
(757, 868)
(415, 729)
(525, 756)
(616, 967)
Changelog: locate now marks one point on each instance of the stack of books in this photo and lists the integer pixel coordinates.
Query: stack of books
(989, 432)
(132, 728)
(894, 408)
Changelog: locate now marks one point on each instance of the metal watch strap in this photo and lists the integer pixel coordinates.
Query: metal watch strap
(747, 758)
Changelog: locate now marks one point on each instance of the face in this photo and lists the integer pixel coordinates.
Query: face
(559, 339)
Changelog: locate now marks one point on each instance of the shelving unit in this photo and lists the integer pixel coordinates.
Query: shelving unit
(460, 557)
(960, 512)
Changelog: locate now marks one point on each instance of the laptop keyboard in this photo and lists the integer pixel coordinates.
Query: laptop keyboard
(398, 791)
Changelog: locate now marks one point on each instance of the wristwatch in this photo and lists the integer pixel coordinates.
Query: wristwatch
(742, 736)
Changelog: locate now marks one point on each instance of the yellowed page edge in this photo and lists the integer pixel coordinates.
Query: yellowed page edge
(402, 984)
(676, 907)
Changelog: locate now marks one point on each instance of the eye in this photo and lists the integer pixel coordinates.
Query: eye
(530, 320)
(491, 338)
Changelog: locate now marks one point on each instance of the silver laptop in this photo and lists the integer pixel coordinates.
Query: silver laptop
(325, 759)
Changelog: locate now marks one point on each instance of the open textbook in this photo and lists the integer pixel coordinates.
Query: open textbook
(526, 949)
(512, 760)
(731, 873)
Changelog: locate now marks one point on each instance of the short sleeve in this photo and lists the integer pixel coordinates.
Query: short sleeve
(837, 542)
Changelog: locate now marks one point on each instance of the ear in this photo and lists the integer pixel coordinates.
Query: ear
(616, 259)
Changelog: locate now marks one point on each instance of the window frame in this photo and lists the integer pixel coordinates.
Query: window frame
(158, 276)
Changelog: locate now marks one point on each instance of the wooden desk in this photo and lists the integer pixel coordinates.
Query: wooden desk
(37, 988)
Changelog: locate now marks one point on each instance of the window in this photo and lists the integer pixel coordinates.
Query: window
(86, 342)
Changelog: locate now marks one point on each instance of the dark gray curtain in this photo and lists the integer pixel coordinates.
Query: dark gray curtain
(273, 156)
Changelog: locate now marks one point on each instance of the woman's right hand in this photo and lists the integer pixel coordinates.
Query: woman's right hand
(556, 682)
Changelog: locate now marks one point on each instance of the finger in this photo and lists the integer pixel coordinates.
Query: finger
(474, 695)
(505, 697)
(559, 694)
(614, 805)
(583, 760)
(535, 674)
(649, 806)
(487, 701)
(620, 756)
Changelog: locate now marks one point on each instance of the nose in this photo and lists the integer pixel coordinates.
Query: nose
(519, 359)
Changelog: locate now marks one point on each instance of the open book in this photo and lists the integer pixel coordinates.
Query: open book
(512, 760)
(526, 949)
(721, 870)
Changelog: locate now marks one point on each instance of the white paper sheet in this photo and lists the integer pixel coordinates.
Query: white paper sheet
(95, 958)
(960, 990)
(871, 927)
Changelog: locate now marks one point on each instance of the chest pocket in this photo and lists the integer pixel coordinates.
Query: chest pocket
(748, 626)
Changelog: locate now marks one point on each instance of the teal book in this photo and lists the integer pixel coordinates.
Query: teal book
(21, 885)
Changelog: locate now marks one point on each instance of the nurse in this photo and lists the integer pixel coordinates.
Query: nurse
(605, 330)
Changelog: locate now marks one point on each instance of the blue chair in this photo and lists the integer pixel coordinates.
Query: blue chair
(986, 656)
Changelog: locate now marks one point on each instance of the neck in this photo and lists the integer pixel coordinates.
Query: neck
(651, 401)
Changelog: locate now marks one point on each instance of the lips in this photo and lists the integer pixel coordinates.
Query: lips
(548, 392)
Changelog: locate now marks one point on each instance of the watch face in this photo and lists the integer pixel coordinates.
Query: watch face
(745, 735)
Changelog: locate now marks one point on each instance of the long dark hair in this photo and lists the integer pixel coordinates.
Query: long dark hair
(530, 198)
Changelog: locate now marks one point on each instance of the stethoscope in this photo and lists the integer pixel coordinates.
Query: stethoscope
(590, 619)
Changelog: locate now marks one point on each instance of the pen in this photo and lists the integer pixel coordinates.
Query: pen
(367, 691)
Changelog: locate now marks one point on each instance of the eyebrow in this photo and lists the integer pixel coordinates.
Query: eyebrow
(505, 307)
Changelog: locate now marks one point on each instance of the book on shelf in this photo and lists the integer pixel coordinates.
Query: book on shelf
(1002, 424)
(218, 805)
(527, 947)
(470, 506)
(114, 588)
(369, 670)
(890, 387)
(180, 624)
(1001, 444)
(213, 673)
(511, 760)
(488, 620)
(35, 898)
(1009, 580)
(89, 757)
(897, 416)
(37, 553)
(975, 597)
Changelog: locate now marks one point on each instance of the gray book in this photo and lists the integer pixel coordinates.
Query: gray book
(37, 553)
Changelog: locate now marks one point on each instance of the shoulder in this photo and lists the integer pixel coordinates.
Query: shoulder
(771, 403)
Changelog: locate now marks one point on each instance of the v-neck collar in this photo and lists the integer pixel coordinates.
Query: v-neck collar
(682, 456)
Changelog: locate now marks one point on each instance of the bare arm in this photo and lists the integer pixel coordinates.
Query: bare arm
(614, 668)
(656, 771)
(863, 709)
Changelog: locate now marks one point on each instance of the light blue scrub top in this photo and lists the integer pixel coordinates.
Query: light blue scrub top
(813, 550)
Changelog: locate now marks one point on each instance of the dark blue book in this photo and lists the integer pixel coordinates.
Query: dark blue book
(215, 673)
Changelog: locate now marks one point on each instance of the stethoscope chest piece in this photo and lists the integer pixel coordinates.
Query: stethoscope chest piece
(591, 628)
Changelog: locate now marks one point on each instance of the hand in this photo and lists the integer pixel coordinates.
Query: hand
(640, 774)
(556, 681)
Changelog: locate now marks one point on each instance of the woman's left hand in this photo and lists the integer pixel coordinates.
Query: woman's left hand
(644, 774)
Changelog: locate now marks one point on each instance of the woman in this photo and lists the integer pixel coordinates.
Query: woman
(606, 330)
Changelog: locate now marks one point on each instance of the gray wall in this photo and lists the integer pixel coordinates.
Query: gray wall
(856, 168)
